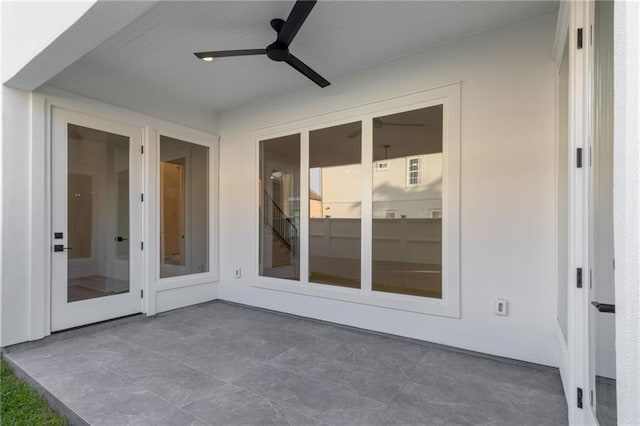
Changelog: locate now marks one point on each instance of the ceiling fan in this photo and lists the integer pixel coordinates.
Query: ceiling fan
(279, 49)
(378, 123)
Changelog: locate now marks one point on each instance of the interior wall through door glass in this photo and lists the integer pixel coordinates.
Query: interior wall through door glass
(184, 208)
(98, 213)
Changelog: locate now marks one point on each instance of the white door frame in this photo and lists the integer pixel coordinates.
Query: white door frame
(575, 17)
(66, 315)
(158, 297)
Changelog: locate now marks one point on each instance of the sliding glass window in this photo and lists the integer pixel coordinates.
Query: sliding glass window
(280, 207)
(184, 208)
(335, 176)
(407, 203)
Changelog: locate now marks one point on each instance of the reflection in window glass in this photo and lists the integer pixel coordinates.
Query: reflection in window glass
(334, 205)
(184, 208)
(98, 213)
(407, 203)
(280, 207)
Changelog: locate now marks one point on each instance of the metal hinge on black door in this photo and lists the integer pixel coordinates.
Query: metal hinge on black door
(579, 277)
(579, 158)
(579, 40)
(579, 397)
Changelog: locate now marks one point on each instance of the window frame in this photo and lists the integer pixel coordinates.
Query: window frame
(152, 201)
(449, 305)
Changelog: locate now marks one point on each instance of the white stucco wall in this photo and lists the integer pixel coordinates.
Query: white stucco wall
(626, 206)
(16, 210)
(507, 190)
(36, 24)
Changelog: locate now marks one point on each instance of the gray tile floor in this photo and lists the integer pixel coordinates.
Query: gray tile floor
(224, 364)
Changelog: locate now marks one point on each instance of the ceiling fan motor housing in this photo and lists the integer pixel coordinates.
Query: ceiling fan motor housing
(276, 52)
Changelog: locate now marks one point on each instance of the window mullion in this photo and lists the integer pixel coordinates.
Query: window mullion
(304, 207)
(367, 204)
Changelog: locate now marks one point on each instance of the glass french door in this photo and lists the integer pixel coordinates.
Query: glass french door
(602, 359)
(96, 220)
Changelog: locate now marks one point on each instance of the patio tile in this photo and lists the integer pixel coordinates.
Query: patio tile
(309, 396)
(495, 369)
(137, 407)
(140, 362)
(432, 405)
(182, 385)
(226, 364)
(153, 333)
(320, 366)
(240, 407)
(71, 387)
(379, 358)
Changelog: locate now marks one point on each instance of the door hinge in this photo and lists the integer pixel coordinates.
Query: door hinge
(579, 397)
(579, 158)
(590, 279)
(591, 398)
(579, 41)
(142, 198)
(141, 245)
(141, 149)
(579, 277)
(141, 294)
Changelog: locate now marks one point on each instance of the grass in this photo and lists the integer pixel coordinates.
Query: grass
(21, 405)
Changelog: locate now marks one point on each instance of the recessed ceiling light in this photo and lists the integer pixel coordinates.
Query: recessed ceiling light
(207, 58)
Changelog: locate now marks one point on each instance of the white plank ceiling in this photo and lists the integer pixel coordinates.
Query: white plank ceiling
(152, 59)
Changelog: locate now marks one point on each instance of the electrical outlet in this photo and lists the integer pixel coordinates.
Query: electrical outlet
(501, 307)
(238, 273)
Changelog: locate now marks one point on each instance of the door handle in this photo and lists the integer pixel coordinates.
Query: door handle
(604, 307)
(60, 247)
(118, 239)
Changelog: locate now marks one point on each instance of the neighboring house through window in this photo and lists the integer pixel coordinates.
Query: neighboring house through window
(413, 171)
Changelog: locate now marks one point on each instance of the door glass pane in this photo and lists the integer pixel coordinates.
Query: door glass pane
(184, 208)
(280, 207)
(334, 205)
(407, 203)
(97, 213)
(602, 251)
(563, 191)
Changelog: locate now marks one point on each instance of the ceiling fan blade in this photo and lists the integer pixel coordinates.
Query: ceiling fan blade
(224, 53)
(296, 18)
(307, 71)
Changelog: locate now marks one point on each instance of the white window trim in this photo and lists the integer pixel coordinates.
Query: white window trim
(153, 198)
(449, 306)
